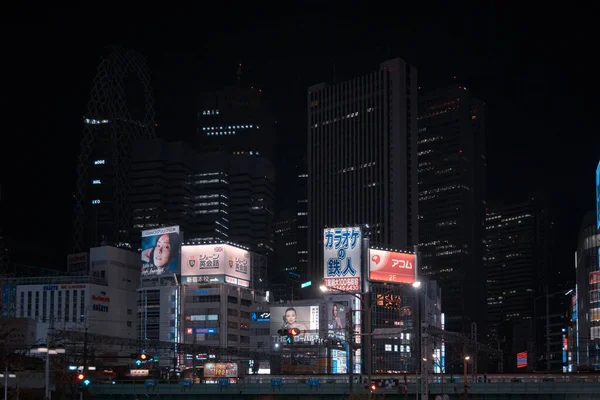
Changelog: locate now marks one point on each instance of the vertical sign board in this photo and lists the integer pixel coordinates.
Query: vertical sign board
(522, 359)
(342, 258)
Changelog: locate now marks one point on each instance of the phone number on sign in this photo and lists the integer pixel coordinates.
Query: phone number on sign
(345, 284)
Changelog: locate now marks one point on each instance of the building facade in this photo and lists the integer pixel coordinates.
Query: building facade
(362, 164)
(211, 196)
(587, 314)
(102, 302)
(451, 171)
(518, 261)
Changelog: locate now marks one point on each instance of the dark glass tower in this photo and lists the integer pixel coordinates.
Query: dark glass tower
(451, 157)
(362, 164)
(120, 110)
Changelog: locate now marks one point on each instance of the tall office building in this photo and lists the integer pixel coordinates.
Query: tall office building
(212, 196)
(236, 120)
(362, 164)
(302, 217)
(120, 110)
(451, 170)
(518, 246)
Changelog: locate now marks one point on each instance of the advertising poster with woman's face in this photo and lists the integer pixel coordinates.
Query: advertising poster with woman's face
(336, 323)
(304, 318)
(160, 251)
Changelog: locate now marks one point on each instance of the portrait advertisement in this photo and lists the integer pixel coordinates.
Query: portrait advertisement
(304, 318)
(160, 251)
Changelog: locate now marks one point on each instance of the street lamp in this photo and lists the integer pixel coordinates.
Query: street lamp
(6, 375)
(467, 358)
(49, 352)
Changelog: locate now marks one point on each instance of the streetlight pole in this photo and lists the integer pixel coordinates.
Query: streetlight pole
(46, 349)
(465, 366)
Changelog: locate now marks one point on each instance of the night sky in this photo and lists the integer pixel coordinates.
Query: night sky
(537, 77)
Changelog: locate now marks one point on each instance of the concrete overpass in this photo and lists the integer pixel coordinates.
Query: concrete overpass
(339, 391)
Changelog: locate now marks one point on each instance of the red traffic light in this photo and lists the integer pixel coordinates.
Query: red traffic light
(294, 331)
(81, 377)
(143, 357)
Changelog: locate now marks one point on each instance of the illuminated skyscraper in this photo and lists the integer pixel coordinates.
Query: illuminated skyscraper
(120, 110)
(362, 164)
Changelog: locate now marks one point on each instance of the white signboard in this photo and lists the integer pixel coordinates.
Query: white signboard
(225, 263)
(342, 258)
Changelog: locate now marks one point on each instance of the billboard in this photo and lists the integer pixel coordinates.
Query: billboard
(522, 359)
(338, 313)
(221, 370)
(342, 258)
(305, 318)
(160, 251)
(215, 263)
(391, 266)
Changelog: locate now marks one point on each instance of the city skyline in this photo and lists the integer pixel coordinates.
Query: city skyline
(535, 102)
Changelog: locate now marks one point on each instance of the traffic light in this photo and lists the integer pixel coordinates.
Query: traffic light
(294, 332)
(143, 358)
(372, 387)
(84, 382)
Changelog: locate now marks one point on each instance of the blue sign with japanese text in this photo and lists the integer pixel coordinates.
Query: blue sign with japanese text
(342, 258)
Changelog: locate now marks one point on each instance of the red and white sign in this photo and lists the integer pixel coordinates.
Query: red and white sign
(391, 266)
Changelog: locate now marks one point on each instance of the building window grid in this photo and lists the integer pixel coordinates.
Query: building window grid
(51, 313)
(22, 305)
(74, 319)
(59, 305)
(37, 305)
(67, 304)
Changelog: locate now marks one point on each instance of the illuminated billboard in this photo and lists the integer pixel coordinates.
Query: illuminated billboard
(215, 263)
(391, 266)
(305, 318)
(522, 359)
(221, 370)
(160, 251)
(337, 319)
(342, 258)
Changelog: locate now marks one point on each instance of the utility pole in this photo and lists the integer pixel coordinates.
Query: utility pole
(85, 357)
(350, 342)
(547, 329)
